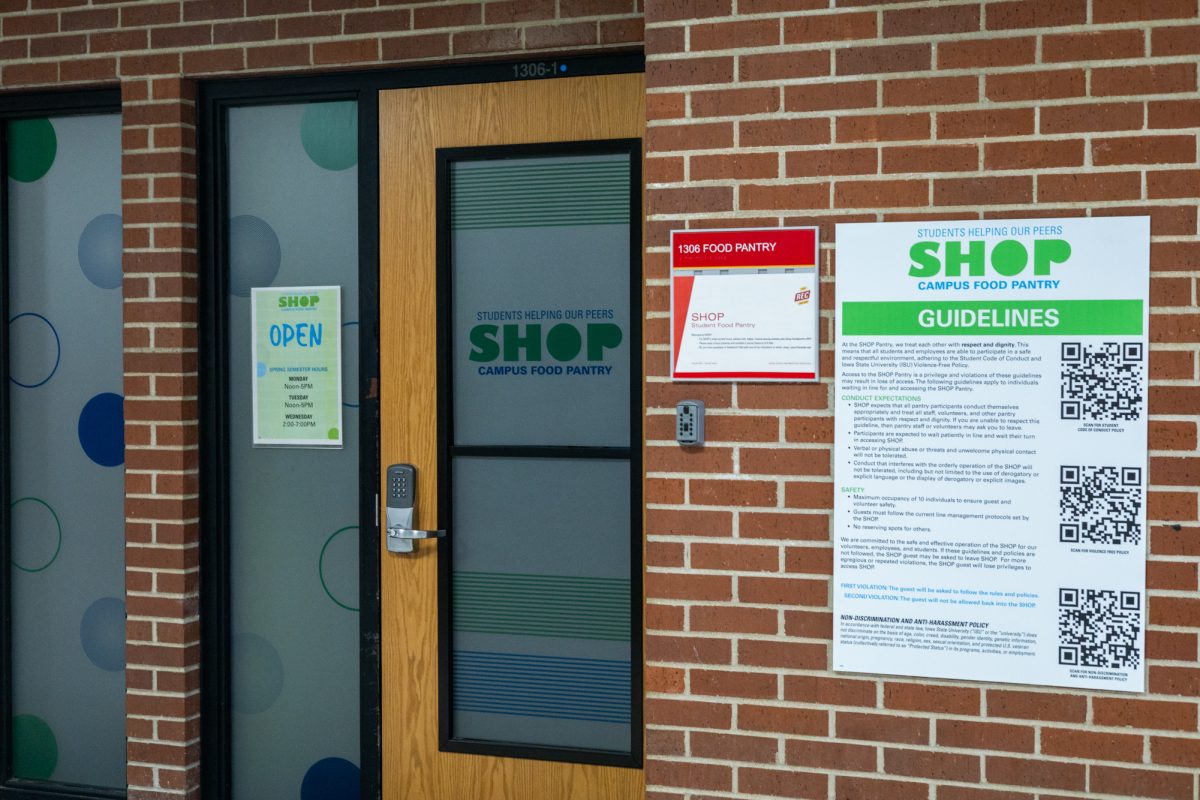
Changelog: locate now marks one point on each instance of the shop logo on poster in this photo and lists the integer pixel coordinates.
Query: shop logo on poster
(803, 296)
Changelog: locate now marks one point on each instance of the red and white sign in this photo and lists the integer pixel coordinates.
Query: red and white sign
(744, 305)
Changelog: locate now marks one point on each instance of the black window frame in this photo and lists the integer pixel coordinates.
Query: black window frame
(214, 100)
(448, 449)
(14, 107)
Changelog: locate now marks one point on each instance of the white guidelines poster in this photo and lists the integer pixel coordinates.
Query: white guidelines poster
(990, 450)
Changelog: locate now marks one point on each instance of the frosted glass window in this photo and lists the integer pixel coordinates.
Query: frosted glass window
(541, 620)
(541, 300)
(67, 568)
(542, 360)
(293, 535)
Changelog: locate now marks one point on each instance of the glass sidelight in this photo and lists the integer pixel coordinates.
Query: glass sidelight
(293, 513)
(541, 589)
(65, 520)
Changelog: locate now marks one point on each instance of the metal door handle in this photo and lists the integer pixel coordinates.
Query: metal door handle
(401, 495)
(409, 533)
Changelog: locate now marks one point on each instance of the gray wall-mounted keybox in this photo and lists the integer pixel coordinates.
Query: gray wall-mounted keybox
(689, 422)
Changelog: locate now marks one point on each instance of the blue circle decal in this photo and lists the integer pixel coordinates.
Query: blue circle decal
(102, 633)
(100, 251)
(102, 429)
(331, 779)
(35, 352)
(257, 673)
(254, 254)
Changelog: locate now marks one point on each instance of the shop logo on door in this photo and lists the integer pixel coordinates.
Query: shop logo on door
(533, 349)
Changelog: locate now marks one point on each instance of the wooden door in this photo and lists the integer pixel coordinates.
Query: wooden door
(414, 125)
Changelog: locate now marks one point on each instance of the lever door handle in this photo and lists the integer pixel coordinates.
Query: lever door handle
(409, 533)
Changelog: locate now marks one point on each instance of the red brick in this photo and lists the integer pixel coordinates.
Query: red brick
(1150, 79)
(486, 41)
(724, 619)
(1142, 782)
(882, 58)
(936, 158)
(689, 71)
(830, 755)
(688, 522)
(689, 713)
(985, 735)
(883, 127)
(850, 788)
(668, 10)
(718, 683)
(733, 747)
(709, 135)
(824, 96)
(934, 699)
(1171, 183)
(1078, 187)
(687, 649)
(784, 132)
(932, 765)
(739, 557)
(825, 162)
(1034, 154)
(1104, 11)
(1036, 705)
(985, 122)
(1010, 87)
(783, 196)
(415, 47)
(808, 494)
(931, 20)
(1035, 14)
(829, 691)
(1091, 745)
(925, 92)
(1144, 150)
(1093, 46)
(668, 586)
(782, 655)
(986, 53)
(622, 31)
(783, 783)
(1175, 752)
(881, 194)
(729, 35)
(1153, 714)
(560, 35)
(1174, 41)
(689, 775)
(791, 65)
(789, 720)
(882, 728)
(821, 28)
(735, 102)
(995, 190)
(809, 527)
(1029, 772)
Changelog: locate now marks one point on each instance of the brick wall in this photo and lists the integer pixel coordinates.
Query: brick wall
(155, 51)
(794, 112)
(780, 112)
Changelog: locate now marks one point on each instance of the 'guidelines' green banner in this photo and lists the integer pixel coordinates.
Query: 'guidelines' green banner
(990, 318)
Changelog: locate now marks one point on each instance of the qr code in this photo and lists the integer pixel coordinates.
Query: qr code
(1099, 628)
(1101, 505)
(1102, 381)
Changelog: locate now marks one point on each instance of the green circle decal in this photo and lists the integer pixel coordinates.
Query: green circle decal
(32, 146)
(57, 529)
(329, 133)
(321, 566)
(35, 750)
(332, 434)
